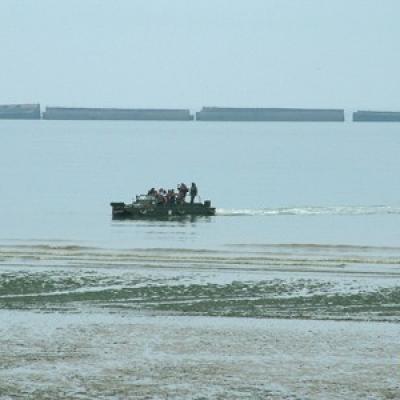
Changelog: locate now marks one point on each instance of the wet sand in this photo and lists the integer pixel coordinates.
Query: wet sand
(94, 356)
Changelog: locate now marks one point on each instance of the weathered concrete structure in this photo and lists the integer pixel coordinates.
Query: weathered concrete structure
(20, 111)
(376, 116)
(269, 114)
(64, 113)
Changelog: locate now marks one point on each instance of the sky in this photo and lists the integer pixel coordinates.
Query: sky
(189, 54)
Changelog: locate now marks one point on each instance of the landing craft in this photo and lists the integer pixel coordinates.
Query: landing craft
(149, 207)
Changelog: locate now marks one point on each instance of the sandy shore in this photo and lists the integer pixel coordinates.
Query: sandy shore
(118, 356)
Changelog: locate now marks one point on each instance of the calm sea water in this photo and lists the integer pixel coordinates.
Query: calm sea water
(272, 183)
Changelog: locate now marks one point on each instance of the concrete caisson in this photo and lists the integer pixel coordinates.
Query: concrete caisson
(69, 113)
(20, 111)
(376, 116)
(269, 114)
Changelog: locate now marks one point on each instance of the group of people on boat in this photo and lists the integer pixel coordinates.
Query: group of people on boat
(171, 196)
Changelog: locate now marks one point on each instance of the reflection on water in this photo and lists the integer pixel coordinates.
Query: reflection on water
(180, 229)
(165, 221)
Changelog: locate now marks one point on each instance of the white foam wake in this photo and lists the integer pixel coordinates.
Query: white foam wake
(311, 210)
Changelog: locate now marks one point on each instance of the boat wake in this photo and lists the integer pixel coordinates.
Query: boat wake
(310, 210)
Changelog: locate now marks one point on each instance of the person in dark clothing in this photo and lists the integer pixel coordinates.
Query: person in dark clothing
(193, 192)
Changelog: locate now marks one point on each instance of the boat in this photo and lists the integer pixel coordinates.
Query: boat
(150, 207)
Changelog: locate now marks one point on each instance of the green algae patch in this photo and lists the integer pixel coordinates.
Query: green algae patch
(277, 298)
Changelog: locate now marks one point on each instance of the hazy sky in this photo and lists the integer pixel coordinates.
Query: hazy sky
(188, 53)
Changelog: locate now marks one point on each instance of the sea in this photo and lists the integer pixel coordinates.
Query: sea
(291, 291)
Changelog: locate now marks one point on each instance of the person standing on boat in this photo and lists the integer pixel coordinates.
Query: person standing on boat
(193, 192)
(182, 191)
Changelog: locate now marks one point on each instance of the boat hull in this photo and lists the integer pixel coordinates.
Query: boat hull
(161, 211)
